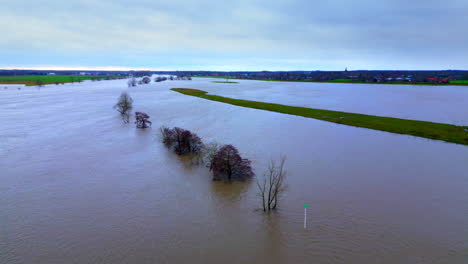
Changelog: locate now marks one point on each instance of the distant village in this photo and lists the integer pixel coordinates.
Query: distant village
(440, 77)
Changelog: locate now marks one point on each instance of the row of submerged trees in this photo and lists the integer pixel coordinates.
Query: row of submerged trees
(224, 161)
(132, 82)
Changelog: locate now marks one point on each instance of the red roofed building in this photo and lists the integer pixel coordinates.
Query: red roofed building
(437, 80)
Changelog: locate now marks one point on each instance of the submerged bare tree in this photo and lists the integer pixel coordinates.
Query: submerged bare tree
(132, 82)
(209, 152)
(272, 185)
(142, 120)
(124, 106)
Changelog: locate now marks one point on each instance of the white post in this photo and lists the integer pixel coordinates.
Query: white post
(305, 218)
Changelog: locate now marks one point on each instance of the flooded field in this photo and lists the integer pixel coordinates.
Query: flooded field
(442, 104)
(79, 186)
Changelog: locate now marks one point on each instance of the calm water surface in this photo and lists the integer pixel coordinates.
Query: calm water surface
(78, 186)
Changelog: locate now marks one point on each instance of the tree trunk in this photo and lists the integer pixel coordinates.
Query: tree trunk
(263, 202)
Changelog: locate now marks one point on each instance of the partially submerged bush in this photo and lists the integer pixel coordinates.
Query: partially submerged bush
(183, 141)
(188, 142)
(146, 80)
(142, 120)
(160, 79)
(227, 164)
(167, 135)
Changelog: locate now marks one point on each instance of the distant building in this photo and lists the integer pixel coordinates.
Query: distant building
(51, 73)
(438, 80)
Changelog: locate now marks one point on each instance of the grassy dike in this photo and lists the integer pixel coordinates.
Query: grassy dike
(438, 131)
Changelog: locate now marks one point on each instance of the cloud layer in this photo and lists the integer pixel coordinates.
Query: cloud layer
(235, 35)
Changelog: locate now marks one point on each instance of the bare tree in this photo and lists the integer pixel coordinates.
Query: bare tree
(209, 152)
(142, 120)
(272, 185)
(124, 106)
(132, 82)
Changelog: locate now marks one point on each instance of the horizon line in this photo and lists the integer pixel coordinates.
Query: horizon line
(123, 69)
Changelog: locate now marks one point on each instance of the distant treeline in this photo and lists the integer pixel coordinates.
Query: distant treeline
(390, 76)
(446, 76)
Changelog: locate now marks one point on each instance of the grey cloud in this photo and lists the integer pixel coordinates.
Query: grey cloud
(373, 33)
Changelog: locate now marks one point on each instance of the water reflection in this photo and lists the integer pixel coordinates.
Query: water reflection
(231, 192)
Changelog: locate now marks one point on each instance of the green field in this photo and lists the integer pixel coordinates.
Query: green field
(30, 80)
(459, 82)
(438, 131)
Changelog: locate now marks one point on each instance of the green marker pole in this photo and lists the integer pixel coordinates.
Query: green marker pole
(305, 215)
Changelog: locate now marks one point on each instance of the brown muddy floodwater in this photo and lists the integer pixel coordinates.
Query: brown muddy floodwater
(78, 186)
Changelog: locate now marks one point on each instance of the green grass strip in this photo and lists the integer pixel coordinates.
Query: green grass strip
(30, 80)
(459, 82)
(438, 131)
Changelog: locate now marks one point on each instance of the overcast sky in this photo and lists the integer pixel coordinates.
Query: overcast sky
(234, 35)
